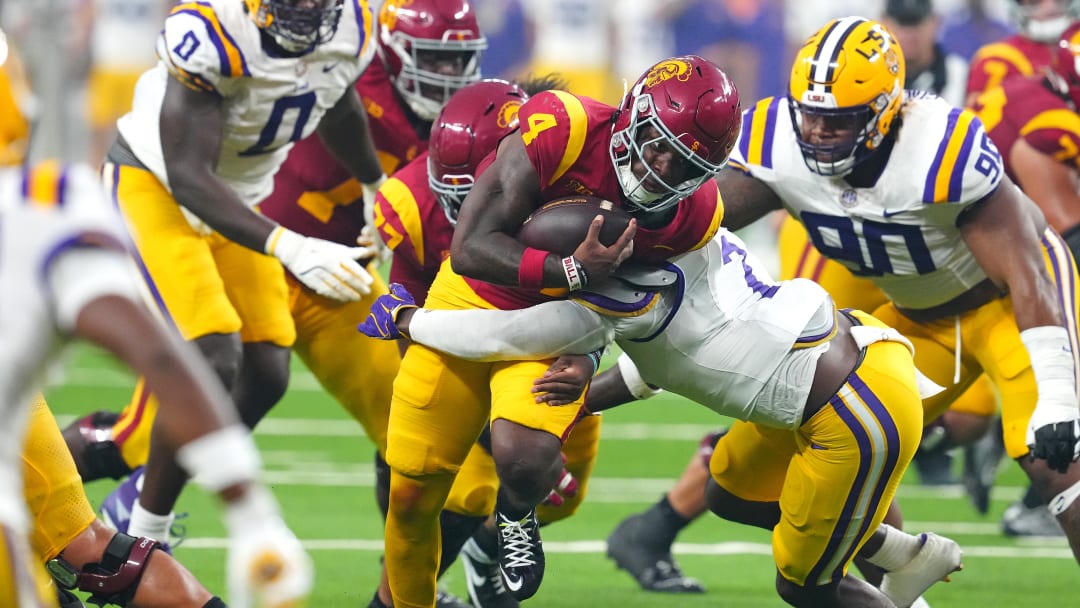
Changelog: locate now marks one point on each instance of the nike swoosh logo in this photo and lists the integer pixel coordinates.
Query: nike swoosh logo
(327, 68)
(887, 213)
(511, 584)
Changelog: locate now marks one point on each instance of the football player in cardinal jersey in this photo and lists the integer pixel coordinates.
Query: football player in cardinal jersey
(654, 154)
(235, 85)
(1027, 52)
(418, 208)
(923, 214)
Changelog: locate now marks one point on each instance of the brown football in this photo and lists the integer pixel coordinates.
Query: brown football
(560, 225)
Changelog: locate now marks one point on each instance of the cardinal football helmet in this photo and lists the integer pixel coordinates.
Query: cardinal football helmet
(431, 48)
(694, 107)
(846, 89)
(1065, 67)
(467, 130)
(296, 26)
(16, 106)
(1044, 23)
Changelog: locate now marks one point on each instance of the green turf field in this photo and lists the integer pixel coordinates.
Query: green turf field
(319, 465)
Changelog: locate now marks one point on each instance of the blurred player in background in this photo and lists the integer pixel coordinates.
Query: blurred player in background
(1040, 24)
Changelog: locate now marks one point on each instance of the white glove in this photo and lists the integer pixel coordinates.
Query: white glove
(369, 234)
(330, 269)
(267, 567)
(1053, 433)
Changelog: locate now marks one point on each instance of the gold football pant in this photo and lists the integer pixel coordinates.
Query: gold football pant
(834, 476)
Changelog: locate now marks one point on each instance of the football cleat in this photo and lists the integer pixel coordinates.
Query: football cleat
(936, 560)
(1021, 520)
(483, 579)
(90, 441)
(521, 555)
(648, 559)
(981, 461)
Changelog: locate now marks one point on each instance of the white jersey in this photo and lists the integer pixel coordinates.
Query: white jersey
(270, 102)
(61, 246)
(726, 336)
(901, 233)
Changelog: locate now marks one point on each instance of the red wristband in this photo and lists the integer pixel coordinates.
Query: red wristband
(531, 269)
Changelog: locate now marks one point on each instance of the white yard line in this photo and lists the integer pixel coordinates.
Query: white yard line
(599, 547)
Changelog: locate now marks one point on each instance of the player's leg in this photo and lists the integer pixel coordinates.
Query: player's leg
(64, 525)
(641, 543)
(439, 407)
(1006, 361)
(850, 456)
(526, 443)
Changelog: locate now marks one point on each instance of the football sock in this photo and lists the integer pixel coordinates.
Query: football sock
(455, 529)
(145, 523)
(488, 540)
(663, 523)
(897, 550)
(376, 602)
(507, 510)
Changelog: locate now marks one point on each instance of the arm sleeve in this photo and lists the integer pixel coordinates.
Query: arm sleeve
(538, 332)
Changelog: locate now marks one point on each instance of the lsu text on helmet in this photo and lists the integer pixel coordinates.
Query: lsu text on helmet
(682, 115)
(469, 127)
(846, 89)
(1065, 67)
(297, 26)
(16, 106)
(1044, 20)
(431, 48)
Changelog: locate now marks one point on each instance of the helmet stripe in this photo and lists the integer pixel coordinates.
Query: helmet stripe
(832, 42)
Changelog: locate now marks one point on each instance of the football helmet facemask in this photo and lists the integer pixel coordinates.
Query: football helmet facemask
(683, 108)
(470, 126)
(16, 106)
(431, 48)
(297, 26)
(1065, 68)
(846, 89)
(1044, 24)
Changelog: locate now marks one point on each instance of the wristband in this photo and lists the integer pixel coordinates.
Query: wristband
(595, 357)
(574, 279)
(531, 268)
(221, 458)
(633, 380)
(1053, 364)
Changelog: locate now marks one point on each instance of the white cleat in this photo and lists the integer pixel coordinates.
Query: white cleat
(936, 560)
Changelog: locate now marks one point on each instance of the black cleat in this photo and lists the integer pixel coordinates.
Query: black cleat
(1022, 520)
(648, 559)
(981, 461)
(521, 555)
(482, 577)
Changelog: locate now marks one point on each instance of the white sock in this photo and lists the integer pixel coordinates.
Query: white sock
(897, 550)
(145, 523)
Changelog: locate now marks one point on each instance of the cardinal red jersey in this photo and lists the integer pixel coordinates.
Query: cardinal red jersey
(1025, 108)
(567, 139)
(994, 63)
(316, 196)
(415, 227)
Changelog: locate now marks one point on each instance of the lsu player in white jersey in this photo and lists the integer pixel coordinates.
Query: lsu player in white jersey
(236, 83)
(803, 379)
(65, 274)
(65, 534)
(909, 192)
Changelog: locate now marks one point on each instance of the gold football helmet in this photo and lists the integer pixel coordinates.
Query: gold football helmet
(16, 103)
(846, 89)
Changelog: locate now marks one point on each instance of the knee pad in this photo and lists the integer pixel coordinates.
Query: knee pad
(114, 579)
(90, 441)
